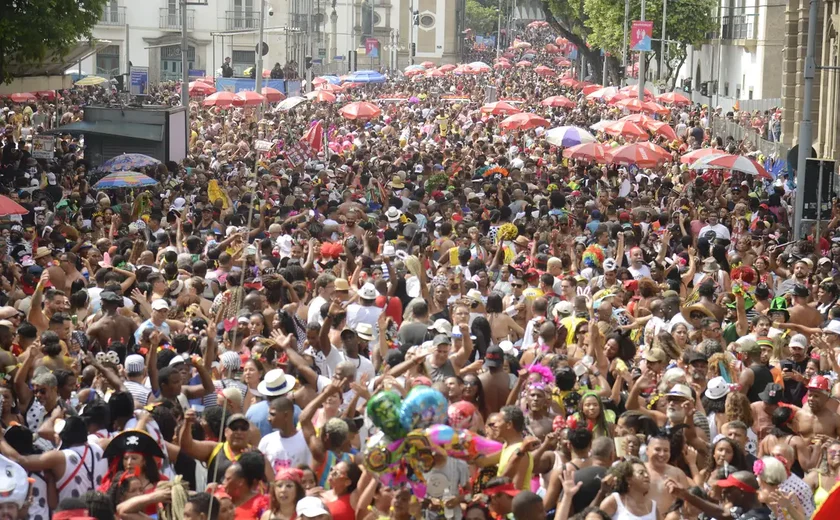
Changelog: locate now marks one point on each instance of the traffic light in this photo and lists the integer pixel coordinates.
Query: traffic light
(686, 85)
(308, 61)
(413, 49)
(714, 87)
(704, 88)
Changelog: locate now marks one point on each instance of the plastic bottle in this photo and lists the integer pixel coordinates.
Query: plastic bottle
(448, 512)
(74, 400)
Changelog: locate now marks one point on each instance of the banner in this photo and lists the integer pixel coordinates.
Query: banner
(139, 81)
(640, 36)
(372, 47)
(244, 84)
(43, 146)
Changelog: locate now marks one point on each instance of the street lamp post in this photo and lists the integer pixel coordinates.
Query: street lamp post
(499, 31)
(259, 67)
(642, 64)
(663, 40)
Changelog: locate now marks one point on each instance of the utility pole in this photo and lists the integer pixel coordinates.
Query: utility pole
(642, 64)
(805, 137)
(499, 32)
(663, 40)
(127, 80)
(259, 67)
(185, 72)
(411, 46)
(307, 57)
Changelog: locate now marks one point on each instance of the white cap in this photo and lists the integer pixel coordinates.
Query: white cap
(798, 340)
(310, 507)
(833, 327)
(160, 304)
(442, 326)
(610, 265)
(134, 364)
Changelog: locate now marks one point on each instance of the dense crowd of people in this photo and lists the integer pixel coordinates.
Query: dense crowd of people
(428, 316)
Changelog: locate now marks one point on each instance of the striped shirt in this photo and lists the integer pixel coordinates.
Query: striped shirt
(139, 392)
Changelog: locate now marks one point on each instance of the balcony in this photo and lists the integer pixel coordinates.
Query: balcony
(238, 20)
(740, 27)
(112, 16)
(170, 19)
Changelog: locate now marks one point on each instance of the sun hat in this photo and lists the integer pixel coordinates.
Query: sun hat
(276, 382)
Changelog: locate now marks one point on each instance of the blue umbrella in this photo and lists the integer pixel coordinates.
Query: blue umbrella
(128, 161)
(366, 76)
(335, 80)
(124, 180)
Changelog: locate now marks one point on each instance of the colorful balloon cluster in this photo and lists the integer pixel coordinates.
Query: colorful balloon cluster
(412, 432)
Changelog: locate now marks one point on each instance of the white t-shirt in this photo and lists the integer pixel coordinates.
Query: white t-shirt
(639, 273)
(285, 452)
(720, 230)
(314, 314)
(359, 314)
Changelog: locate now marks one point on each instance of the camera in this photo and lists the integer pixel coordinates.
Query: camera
(270, 11)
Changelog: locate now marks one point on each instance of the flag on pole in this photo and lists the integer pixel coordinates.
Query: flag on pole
(314, 137)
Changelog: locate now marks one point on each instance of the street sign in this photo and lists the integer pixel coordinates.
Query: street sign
(338, 58)
(139, 81)
(264, 48)
(641, 36)
(819, 173)
(317, 61)
(322, 52)
(43, 146)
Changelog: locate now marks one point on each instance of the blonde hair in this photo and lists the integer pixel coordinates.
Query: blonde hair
(773, 473)
(737, 408)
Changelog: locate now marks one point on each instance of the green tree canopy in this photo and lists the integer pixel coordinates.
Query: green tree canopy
(480, 18)
(32, 30)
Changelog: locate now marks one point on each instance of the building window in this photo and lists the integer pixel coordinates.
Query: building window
(427, 20)
(750, 93)
(170, 62)
(241, 60)
(108, 61)
(377, 20)
(726, 88)
(738, 92)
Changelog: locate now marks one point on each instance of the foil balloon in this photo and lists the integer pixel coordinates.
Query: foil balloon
(463, 415)
(422, 408)
(461, 444)
(384, 410)
(376, 456)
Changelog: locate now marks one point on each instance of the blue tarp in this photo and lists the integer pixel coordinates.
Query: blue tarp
(288, 87)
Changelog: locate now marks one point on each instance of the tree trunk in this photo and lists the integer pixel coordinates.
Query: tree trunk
(674, 72)
(593, 57)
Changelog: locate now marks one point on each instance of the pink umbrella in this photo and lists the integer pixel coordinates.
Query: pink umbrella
(570, 82)
(673, 98)
(562, 62)
(248, 98)
(502, 65)
(542, 70)
(448, 67)
(558, 101)
(551, 49)
(435, 73)
(272, 94)
(589, 151)
(499, 108)
(523, 63)
(427, 64)
(523, 121)
(635, 153)
(694, 156)
(23, 97)
(329, 87)
(602, 93)
(626, 128)
(208, 80)
(219, 99)
(323, 96)
(319, 81)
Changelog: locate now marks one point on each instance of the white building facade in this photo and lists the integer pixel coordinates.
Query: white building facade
(148, 34)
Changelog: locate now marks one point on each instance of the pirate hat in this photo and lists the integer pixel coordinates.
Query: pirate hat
(133, 440)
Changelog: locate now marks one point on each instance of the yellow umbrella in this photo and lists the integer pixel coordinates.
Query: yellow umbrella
(91, 80)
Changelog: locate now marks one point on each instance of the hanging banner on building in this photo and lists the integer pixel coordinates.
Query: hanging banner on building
(641, 35)
(139, 81)
(43, 146)
(372, 47)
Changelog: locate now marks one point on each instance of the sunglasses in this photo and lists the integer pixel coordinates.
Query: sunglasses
(240, 427)
(40, 391)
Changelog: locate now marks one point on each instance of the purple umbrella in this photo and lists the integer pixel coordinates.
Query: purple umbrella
(568, 136)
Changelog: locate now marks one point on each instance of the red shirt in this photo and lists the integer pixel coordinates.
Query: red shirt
(341, 509)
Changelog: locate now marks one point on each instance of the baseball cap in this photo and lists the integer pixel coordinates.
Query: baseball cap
(441, 339)
(494, 357)
(655, 355)
(737, 481)
(442, 326)
(236, 417)
(310, 507)
(798, 341)
(819, 383)
(748, 346)
(693, 356)
(160, 304)
(832, 327)
(508, 489)
(772, 393)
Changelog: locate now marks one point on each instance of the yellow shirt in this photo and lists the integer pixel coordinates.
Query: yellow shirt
(507, 453)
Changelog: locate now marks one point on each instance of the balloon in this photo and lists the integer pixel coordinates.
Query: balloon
(376, 456)
(420, 452)
(461, 444)
(463, 415)
(384, 412)
(423, 407)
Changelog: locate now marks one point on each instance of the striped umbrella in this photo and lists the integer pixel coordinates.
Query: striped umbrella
(568, 136)
(124, 179)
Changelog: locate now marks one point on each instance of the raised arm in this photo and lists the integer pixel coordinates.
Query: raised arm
(199, 450)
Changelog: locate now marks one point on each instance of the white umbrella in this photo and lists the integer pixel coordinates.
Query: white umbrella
(568, 136)
(289, 103)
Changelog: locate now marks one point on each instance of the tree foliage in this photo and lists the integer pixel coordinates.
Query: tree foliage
(33, 30)
(600, 24)
(482, 19)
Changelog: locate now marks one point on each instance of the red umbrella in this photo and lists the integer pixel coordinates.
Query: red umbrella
(500, 108)
(523, 121)
(523, 63)
(640, 119)
(589, 151)
(272, 94)
(561, 42)
(448, 67)
(427, 64)
(23, 97)
(673, 98)
(435, 73)
(329, 87)
(633, 90)
(10, 207)
(322, 96)
(208, 80)
(558, 101)
(46, 94)
(219, 99)
(614, 98)
(626, 128)
(662, 128)
(632, 104)
(635, 153)
(570, 82)
(737, 163)
(654, 108)
(692, 157)
(319, 81)
(561, 62)
(502, 65)
(551, 49)
(542, 70)
(248, 98)
(360, 110)
(655, 148)
(198, 88)
(589, 89)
